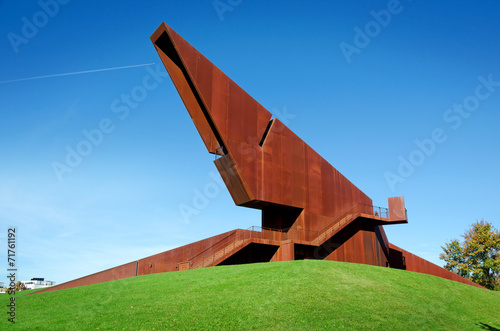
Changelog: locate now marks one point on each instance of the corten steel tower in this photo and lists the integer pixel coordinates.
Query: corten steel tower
(309, 209)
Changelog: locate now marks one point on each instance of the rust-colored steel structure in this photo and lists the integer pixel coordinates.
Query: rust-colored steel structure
(309, 209)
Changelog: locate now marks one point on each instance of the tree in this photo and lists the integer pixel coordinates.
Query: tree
(20, 286)
(476, 258)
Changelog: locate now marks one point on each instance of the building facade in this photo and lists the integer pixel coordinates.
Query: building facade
(309, 209)
(36, 283)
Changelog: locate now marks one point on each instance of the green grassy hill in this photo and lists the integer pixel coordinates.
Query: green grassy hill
(296, 295)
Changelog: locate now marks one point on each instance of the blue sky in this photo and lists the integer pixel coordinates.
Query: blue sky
(408, 106)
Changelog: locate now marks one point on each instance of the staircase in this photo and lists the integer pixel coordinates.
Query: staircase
(326, 232)
(347, 217)
(240, 238)
(218, 252)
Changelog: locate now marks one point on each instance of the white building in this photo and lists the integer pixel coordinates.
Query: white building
(35, 283)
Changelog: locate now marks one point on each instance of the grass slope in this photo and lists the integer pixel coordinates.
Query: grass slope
(295, 295)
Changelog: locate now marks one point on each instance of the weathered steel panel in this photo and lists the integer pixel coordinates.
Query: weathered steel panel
(402, 259)
(124, 271)
(284, 170)
(309, 209)
(397, 210)
(167, 261)
(232, 178)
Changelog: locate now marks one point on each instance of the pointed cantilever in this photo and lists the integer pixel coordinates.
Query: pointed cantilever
(263, 164)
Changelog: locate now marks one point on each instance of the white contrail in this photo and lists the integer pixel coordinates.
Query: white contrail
(75, 73)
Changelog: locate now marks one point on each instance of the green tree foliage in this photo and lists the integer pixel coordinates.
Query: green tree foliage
(477, 257)
(19, 287)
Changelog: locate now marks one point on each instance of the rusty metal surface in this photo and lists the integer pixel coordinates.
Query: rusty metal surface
(162, 262)
(168, 261)
(402, 259)
(397, 209)
(309, 209)
(124, 271)
(357, 243)
(264, 164)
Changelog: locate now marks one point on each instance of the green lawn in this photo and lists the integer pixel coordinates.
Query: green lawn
(296, 295)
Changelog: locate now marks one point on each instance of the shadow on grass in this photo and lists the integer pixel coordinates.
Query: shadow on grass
(485, 326)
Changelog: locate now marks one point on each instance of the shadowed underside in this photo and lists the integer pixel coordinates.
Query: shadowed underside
(309, 209)
(263, 163)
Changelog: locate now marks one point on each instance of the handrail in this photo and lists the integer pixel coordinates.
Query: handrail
(220, 250)
(336, 219)
(200, 257)
(347, 215)
(240, 237)
(214, 251)
(210, 247)
(376, 211)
